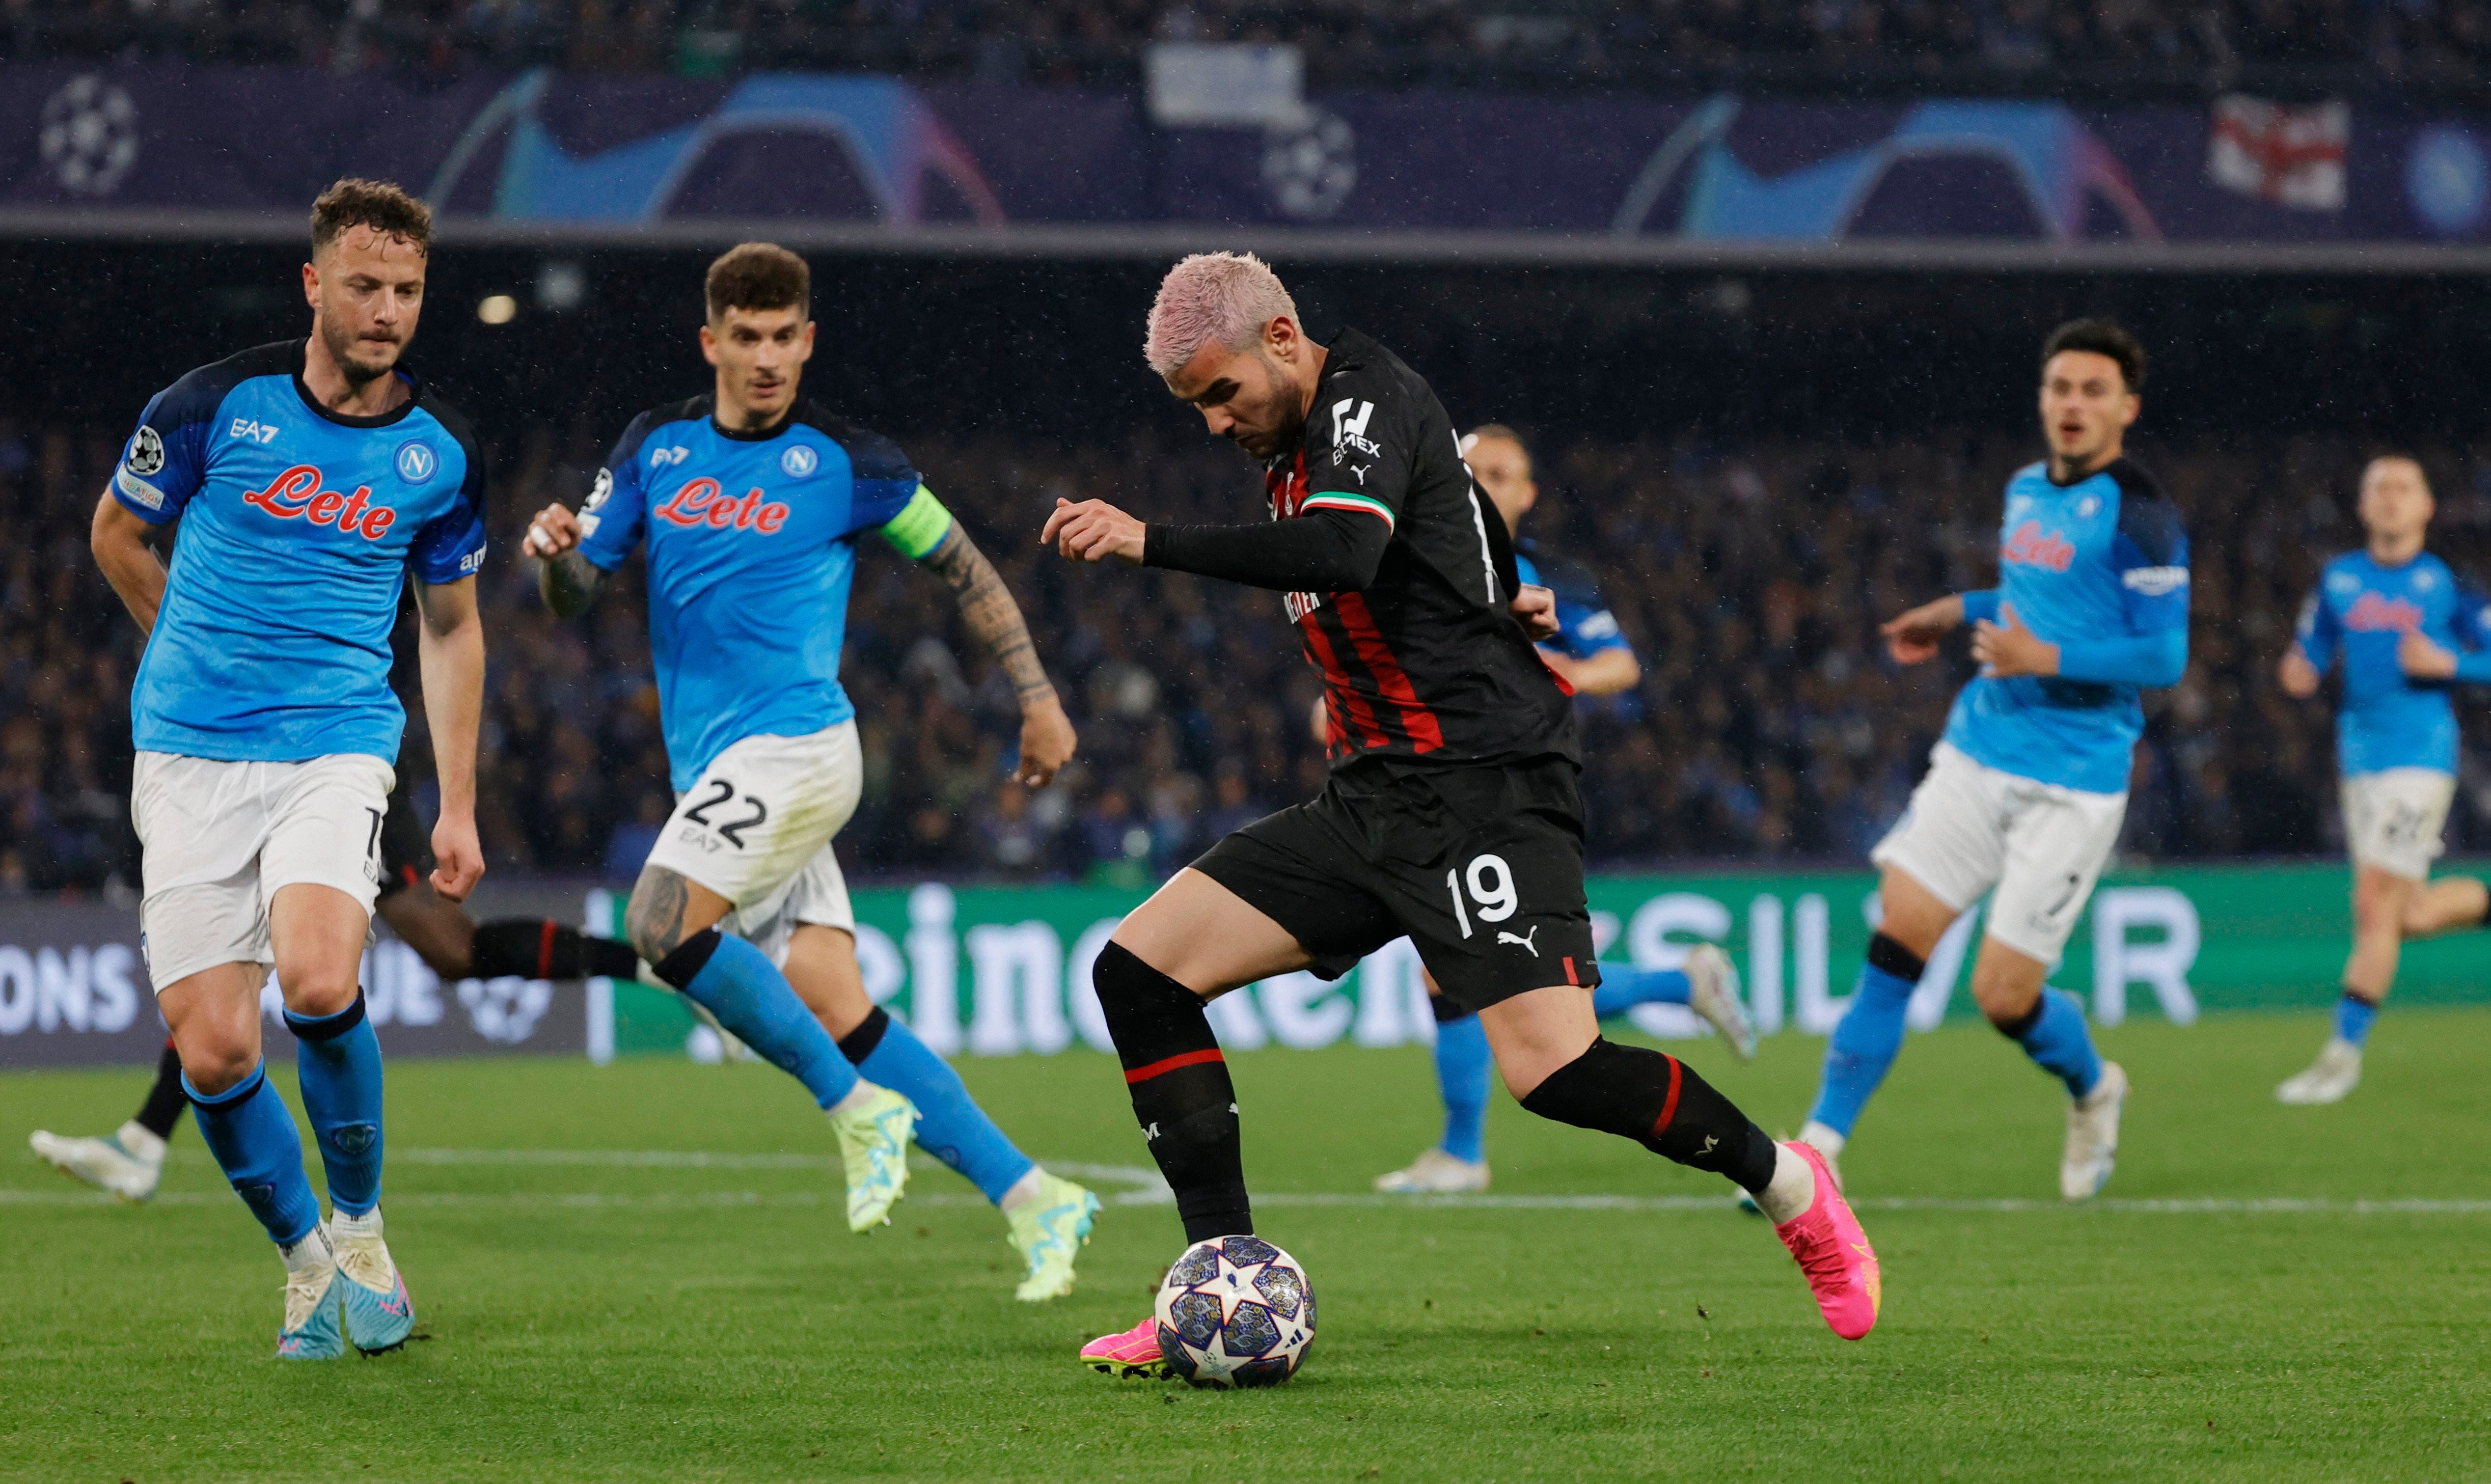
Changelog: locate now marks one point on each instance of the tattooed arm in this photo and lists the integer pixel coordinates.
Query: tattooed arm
(568, 581)
(987, 607)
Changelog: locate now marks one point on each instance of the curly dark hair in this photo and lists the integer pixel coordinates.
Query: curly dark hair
(759, 275)
(384, 207)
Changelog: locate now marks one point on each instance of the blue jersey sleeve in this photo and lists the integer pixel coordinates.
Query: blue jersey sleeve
(2472, 622)
(2150, 554)
(450, 545)
(616, 513)
(166, 459)
(1980, 606)
(1585, 625)
(2318, 633)
(885, 481)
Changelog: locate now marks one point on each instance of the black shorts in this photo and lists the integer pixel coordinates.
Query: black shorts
(1481, 867)
(407, 856)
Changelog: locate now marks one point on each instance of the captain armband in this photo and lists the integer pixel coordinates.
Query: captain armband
(920, 526)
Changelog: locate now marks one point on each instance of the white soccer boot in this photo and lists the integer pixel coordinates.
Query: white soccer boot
(128, 1162)
(1435, 1172)
(2335, 1073)
(1713, 992)
(2092, 1136)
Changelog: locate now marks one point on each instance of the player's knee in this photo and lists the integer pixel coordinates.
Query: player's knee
(318, 987)
(2009, 1000)
(214, 1063)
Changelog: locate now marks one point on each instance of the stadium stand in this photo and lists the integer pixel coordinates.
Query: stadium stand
(1839, 45)
(1748, 574)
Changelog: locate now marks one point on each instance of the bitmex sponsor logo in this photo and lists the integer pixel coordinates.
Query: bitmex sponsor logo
(701, 502)
(2031, 546)
(296, 493)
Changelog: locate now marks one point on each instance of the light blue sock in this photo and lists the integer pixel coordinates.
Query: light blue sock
(2059, 1041)
(752, 998)
(1865, 1042)
(950, 1124)
(1463, 1064)
(2353, 1017)
(248, 1128)
(1623, 987)
(337, 1065)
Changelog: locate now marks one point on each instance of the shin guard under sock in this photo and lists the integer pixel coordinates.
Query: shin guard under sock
(252, 1136)
(736, 982)
(337, 1065)
(950, 1124)
(161, 1113)
(1659, 1102)
(541, 948)
(2054, 1034)
(1181, 1092)
(1464, 1068)
(1870, 1035)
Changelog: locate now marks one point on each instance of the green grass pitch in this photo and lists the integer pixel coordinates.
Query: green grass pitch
(639, 1272)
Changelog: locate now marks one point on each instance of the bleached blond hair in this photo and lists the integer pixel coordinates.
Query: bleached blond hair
(1212, 298)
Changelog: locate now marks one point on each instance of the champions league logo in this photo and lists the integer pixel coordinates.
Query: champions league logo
(89, 135)
(146, 452)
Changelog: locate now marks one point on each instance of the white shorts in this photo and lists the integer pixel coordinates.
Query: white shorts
(756, 830)
(2394, 819)
(219, 838)
(1972, 828)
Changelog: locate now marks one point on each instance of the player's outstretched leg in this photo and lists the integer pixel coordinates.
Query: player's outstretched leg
(1050, 1216)
(338, 1067)
(1708, 984)
(251, 1133)
(736, 982)
(1865, 1042)
(1187, 1109)
(541, 948)
(1464, 1068)
(128, 1161)
(1661, 1103)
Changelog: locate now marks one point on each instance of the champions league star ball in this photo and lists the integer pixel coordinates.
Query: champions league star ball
(1235, 1311)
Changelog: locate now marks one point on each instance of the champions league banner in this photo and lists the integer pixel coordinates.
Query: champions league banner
(1004, 971)
(540, 149)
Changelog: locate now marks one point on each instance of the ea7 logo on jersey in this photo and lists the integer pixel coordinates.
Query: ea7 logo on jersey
(261, 433)
(1348, 429)
(297, 492)
(660, 458)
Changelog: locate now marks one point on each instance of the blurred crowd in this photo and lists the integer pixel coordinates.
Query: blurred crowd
(1835, 43)
(1768, 725)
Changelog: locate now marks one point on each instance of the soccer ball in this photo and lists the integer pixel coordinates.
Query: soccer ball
(1235, 1311)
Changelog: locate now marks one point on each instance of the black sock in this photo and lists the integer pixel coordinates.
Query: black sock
(1181, 1092)
(1659, 1102)
(860, 1043)
(1890, 957)
(161, 1113)
(541, 948)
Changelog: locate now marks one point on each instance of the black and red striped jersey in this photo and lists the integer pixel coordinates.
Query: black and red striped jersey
(1424, 662)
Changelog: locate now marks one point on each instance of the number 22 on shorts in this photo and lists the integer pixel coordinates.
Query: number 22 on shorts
(1492, 887)
(730, 830)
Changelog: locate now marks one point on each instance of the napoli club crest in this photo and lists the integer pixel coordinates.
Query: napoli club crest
(416, 462)
(799, 460)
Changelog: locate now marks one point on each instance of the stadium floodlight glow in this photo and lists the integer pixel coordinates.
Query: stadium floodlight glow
(497, 308)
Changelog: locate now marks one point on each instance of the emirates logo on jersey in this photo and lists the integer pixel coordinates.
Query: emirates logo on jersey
(2373, 613)
(703, 504)
(2031, 546)
(297, 495)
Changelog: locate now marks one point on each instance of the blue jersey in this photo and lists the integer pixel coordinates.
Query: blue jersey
(298, 526)
(2098, 567)
(1584, 626)
(752, 542)
(2360, 612)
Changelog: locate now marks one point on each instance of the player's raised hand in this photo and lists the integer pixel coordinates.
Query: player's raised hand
(1046, 741)
(1092, 530)
(1912, 638)
(2007, 648)
(458, 861)
(2298, 675)
(554, 531)
(2423, 660)
(1534, 608)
